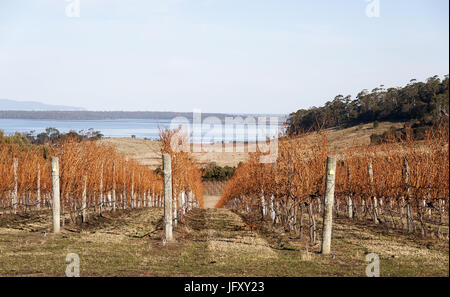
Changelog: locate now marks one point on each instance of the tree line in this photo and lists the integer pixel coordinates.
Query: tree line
(49, 136)
(425, 103)
(214, 172)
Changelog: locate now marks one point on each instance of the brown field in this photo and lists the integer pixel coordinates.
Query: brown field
(339, 139)
(147, 152)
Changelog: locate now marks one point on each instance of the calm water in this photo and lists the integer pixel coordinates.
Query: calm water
(141, 128)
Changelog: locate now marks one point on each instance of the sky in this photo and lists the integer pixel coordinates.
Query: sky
(231, 56)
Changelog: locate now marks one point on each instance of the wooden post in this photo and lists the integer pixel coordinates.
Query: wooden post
(109, 198)
(263, 205)
(63, 215)
(139, 199)
(312, 220)
(291, 216)
(183, 203)
(402, 210)
(441, 215)
(114, 197)
(174, 209)
(38, 191)
(349, 197)
(374, 199)
(83, 201)
(140, 196)
(408, 217)
(328, 207)
(133, 197)
(167, 168)
(190, 200)
(409, 222)
(15, 199)
(272, 210)
(124, 195)
(153, 197)
(56, 198)
(350, 207)
(100, 190)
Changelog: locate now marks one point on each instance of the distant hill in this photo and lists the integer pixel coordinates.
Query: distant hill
(7, 104)
(75, 115)
(103, 115)
(10, 109)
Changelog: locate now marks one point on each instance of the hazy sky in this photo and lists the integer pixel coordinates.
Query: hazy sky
(254, 56)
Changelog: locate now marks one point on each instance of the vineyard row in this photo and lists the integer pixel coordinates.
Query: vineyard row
(402, 185)
(91, 177)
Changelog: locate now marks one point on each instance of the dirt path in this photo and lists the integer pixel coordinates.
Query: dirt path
(227, 237)
(210, 201)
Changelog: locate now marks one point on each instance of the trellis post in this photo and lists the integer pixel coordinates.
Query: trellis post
(38, 191)
(83, 201)
(374, 198)
(328, 207)
(114, 195)
(167, 168)
(15, 199)
(406, 173)
(56, 198)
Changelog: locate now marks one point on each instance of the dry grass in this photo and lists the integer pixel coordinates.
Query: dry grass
(225, 243)
(211, 242)
(147, 152)
(340, 139)
(232, 159)
(112, 245)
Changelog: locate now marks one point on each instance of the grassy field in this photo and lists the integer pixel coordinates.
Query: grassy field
(211, 242)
